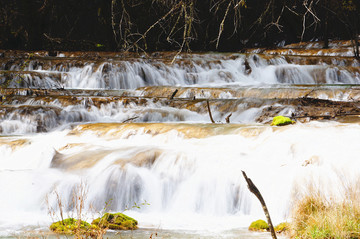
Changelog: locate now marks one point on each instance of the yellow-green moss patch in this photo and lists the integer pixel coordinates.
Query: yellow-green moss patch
(116, 221)
(281, 120)
(69, 226)
(282, 227)
(259, 225)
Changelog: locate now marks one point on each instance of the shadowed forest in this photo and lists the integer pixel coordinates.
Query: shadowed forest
(180, 25)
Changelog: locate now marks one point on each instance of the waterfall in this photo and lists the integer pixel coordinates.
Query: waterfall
(136, 131)
(196, 178)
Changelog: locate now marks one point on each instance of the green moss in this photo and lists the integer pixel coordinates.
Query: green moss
(282, 227)
(259, 225)
(281, 120)
(69, 226)
(116, 221)
(100, 45)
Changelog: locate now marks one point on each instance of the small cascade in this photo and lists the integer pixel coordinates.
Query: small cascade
(30, 111)
(198, 70)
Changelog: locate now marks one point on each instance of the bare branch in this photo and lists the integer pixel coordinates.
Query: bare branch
(209, 110)
(157, 22)
(221, 28)
(227, 119)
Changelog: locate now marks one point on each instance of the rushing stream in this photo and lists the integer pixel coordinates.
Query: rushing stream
(135, 131)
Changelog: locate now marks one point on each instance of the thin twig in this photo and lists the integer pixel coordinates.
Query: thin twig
(221, 28)
(157, 22)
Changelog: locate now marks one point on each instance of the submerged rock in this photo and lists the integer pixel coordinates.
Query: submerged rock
(116, 221)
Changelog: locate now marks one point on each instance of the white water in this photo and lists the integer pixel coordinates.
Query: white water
(189, 183)
(187, 171)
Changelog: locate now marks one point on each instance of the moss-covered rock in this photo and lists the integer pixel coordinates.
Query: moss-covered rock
(282, 227)
(281, 120)
(116, 221)
(259, 225)
(69, 226)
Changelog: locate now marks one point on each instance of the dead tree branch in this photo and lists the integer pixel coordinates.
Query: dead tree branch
(173, 94)
(130, 119)
(228, 118)
(257, 193)
(208, 106)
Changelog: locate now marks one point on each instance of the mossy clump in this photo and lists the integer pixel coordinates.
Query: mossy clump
(281, 121)
(282, 227)
(116, 221)
(259, 225)
(70, 226)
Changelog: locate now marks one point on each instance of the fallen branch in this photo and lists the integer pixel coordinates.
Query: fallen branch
(326, 116)
(257, 193)
(130, 119)
(208, 106)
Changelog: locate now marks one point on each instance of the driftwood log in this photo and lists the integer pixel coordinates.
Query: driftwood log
(257, 193)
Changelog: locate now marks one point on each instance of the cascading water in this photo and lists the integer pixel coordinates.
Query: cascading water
(118, 127)
(201, 70)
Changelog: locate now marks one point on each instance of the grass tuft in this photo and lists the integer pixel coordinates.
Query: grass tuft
(317, 217)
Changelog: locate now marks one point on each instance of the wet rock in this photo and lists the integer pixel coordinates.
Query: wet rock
(53, 53)
(248, 69)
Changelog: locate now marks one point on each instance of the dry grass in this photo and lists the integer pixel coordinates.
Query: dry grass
(317, 217)
(79, 228)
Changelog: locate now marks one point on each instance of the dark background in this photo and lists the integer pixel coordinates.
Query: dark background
(158, 25)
